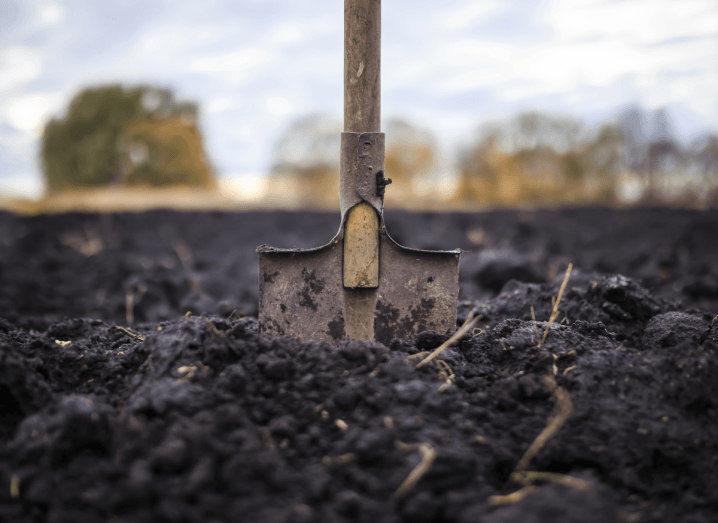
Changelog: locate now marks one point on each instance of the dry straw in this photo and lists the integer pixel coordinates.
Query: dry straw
(466, 327)
(130, 333)
(555, 311)
(428, 455)
(561, 412)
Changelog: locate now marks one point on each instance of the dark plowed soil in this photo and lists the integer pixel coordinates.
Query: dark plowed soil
(115, 406)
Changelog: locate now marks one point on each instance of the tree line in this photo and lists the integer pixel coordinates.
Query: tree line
(113, 135)
(532, 158)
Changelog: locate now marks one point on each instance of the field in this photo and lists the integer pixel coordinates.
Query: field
(134, 385)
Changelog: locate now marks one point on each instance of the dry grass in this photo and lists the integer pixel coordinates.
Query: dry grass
(528, 477)
(466, 327)
(344, 459)
(554, 312)
(428, 455)
(561, 412)
(15, 487)
(130, 333)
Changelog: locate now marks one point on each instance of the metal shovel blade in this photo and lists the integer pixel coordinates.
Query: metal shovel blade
(301, 293)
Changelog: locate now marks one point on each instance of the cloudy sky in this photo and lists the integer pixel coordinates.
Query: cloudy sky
(255, 66)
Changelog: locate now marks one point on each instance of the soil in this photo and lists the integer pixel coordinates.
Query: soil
(117, 405)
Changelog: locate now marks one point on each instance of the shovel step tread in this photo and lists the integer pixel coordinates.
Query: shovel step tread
(361, 248)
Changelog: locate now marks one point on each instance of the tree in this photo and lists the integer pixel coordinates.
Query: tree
(539, 157)
(412, 159)
(706, 160)
(305, 165)
(114, 135)
(533, 130)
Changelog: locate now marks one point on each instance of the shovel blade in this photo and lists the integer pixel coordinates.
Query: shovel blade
(301, 293)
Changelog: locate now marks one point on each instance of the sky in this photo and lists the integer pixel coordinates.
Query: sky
(256, 66)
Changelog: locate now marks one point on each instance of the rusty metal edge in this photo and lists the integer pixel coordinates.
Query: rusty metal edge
(266, 249)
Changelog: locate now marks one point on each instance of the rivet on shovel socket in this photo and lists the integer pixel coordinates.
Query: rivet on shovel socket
(362, 284)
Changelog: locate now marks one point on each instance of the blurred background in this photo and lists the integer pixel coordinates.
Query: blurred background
(237, 104)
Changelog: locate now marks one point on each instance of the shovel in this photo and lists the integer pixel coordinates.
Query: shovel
(362, 284)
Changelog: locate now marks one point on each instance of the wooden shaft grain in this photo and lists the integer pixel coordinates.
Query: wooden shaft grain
(362, 62)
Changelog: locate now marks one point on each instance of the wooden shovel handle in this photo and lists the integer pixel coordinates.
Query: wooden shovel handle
(362, 110)
(362, 63)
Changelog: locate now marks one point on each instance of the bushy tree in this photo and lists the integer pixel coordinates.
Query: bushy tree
(305, 163)
(538, 157)
(412, 159)
(117, 135)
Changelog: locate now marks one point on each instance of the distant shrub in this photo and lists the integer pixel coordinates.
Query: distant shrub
(540, 158)
(121, 136)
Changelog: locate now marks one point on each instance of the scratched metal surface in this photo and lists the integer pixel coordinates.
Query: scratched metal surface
(301, 292)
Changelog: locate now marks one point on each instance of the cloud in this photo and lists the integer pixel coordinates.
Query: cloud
(19, 65)
(236, 67)
(467, 15)
(279, 105)
(29, 113)
(51, 14)
(638, 22)
(663, 44)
